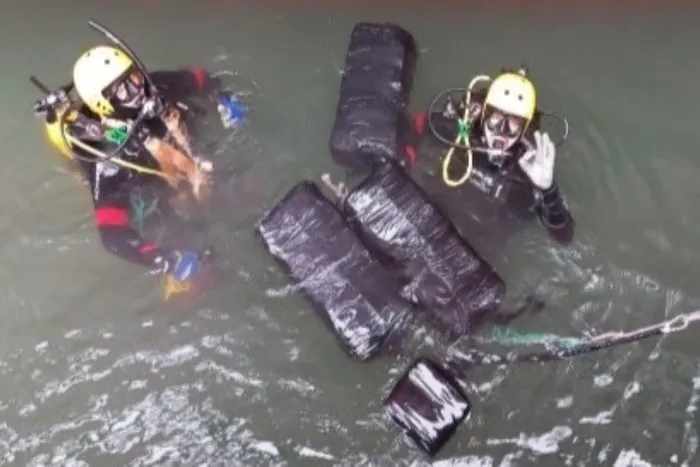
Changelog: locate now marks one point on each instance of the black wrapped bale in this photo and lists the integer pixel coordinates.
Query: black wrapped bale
(350, 289)
(397, 219)
(428, 404)
(371, 118)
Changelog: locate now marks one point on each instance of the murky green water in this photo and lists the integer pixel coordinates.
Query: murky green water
(96, 369)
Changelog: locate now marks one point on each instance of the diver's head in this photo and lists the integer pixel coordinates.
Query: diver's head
(509, 108)
(109, 82)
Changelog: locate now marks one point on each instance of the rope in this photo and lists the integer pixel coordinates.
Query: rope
(510, 337)
(141, 211)
(462, 361)
(462, 138)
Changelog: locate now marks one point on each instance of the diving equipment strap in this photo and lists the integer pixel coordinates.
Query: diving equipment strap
(119, 161)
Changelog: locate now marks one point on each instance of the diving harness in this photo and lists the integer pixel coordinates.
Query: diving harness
(464, 128)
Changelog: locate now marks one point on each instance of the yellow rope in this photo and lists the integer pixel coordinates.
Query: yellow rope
(462, 138)
(119, 161)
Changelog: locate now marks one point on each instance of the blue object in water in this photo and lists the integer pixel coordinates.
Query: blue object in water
(232, 111)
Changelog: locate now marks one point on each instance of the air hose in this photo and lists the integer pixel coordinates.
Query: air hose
(462, 139)
(114, 135)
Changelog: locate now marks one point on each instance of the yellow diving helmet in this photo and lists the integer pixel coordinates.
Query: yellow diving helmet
(510, 104)
(95, 72)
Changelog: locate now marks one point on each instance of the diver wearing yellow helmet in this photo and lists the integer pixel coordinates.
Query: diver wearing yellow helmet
(127, 131)
(490, 143)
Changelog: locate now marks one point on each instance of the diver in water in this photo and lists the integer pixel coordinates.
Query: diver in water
(508, 163)
(127, 131)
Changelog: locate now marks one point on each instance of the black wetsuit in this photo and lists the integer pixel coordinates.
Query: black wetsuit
(112, 186)
(493, 195)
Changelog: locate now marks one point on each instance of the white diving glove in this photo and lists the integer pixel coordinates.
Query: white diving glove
(538, 162)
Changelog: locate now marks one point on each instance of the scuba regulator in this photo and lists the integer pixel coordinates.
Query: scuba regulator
(52, 100)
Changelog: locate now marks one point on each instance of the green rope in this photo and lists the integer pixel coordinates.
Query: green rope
(506, 336)
(141, 211)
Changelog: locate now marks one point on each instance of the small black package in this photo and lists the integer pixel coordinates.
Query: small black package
(354, 293)
(428, 404)
(395, 218)
(371, 121)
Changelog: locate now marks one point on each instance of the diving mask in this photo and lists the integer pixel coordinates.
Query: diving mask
(501, 130)
(129, 91)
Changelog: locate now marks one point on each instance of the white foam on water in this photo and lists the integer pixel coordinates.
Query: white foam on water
(630, 458)
(603, 380)
(601, 418)
(467, 461)
(227, 373)
(73, 333)
(304, 388)
(293, 353)
(265, 446)
(305, 451)
(565, 402)
(604, 452)
(27, 409)
(690, 432)
(137, 384)
(488, 386)
(218, 345)
(632, 388)
(546, 443)
(282, 291)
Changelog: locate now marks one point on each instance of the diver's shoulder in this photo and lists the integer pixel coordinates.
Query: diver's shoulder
(168, 78)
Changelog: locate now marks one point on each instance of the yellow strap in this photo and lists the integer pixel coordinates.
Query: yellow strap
(462, 139)
(129, 165)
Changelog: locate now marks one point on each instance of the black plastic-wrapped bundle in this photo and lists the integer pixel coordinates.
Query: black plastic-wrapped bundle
(428, 404)
(349, 288)
(371, 118)
(447, 276)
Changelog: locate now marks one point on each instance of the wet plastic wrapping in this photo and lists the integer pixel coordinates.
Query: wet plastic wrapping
(350, 289)
(371, 122)
(447, 276)
(428, 404)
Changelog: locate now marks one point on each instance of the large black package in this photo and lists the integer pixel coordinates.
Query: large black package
(371, 118)
(428, 404)
(349, 288)
(447, 276)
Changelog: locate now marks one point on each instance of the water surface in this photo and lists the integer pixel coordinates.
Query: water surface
(96, 370)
